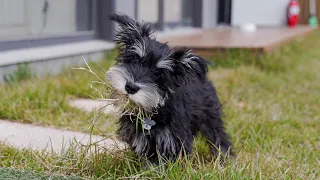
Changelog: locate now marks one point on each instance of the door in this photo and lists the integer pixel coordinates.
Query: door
(224, 12)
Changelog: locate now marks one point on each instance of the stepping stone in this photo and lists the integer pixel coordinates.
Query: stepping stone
(26, 136)
(91, 105)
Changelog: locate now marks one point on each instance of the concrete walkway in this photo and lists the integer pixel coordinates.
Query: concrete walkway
(22, 136)
(91, 105)
(28, 136)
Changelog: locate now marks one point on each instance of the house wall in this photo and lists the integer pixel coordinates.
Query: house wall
(148, 10)
(20, 18)
(24, 18)
(61, 17)
(260, 12)
(126, 6)
(12, 17)
(209, 13)
(173, 10)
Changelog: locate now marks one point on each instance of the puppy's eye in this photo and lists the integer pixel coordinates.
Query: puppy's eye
(157, 74)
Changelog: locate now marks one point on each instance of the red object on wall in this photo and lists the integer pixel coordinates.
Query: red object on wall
(293, 13)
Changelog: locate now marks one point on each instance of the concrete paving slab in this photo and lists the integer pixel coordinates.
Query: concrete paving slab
(23, 136)
(91, 105)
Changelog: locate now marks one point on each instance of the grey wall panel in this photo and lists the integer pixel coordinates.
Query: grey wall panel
(209, 13)
(126, 6)
(260, 12)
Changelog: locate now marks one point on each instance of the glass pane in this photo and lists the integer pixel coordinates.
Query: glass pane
(177, 13)
(148, 10)
(21, 18)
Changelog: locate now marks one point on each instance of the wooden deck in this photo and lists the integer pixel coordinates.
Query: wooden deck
(211, 41)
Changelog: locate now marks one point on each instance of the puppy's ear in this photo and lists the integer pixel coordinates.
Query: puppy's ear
(131, 34)
(186, 60)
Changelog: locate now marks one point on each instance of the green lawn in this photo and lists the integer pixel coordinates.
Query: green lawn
(271, 105)
(45, 101)
(14, 174)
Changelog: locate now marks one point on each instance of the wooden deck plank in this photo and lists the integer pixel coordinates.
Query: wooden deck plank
(219, 39)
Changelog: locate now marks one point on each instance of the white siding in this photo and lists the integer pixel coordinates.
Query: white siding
(12, 12)
(126, 6)
(260, 12)
(20, 18)
(172, 10)
(61, 17)
(148, 10)
(209, 13)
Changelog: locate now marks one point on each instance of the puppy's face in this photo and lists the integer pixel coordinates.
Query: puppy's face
(142, 73)
(148, 71)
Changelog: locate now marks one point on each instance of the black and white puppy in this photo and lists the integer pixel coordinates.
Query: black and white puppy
(171, 82)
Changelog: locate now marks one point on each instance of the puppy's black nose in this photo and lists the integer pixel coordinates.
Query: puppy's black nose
(131, 88)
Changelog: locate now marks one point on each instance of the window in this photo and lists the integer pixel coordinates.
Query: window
(165, 14)
(177, 13)
(45, 22)
(22, 19)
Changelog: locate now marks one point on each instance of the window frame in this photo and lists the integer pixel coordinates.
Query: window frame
(102, 28)
(196, 19)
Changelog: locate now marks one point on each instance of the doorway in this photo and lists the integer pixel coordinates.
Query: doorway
(224, 12)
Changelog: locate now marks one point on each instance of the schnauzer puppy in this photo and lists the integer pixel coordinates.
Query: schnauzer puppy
(171, 83)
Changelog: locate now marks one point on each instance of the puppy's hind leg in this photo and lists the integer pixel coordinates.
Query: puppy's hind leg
(218, 140)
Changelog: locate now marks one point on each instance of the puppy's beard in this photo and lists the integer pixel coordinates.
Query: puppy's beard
(118, 77)
(147, 97)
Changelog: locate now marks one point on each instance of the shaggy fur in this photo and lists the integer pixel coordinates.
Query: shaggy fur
(173, 84)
